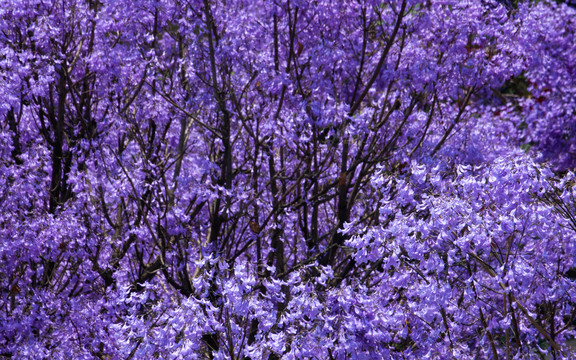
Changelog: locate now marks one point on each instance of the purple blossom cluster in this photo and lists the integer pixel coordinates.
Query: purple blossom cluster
(291, 179)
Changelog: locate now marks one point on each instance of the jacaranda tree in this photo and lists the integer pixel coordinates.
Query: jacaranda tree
(288, 179)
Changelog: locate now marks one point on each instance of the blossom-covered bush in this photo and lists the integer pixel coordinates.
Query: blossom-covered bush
(248, 179)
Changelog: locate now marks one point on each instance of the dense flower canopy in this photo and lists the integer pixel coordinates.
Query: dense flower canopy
(295, 179)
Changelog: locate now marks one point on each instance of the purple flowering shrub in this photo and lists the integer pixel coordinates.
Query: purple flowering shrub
(543, 103)
(458, 258)
(292, 179)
